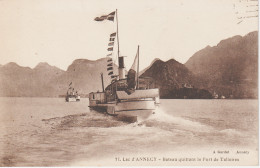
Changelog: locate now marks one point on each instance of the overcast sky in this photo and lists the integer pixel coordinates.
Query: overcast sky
(60, 31)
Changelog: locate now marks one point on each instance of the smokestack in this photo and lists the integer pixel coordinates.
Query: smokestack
(121, 69)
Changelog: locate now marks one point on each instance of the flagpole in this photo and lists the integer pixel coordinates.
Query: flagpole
(117, 37)
(137, 85)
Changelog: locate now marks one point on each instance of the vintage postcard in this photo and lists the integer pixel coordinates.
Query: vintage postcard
(129, 83)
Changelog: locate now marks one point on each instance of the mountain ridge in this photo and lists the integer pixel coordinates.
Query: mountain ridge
(229, 68)
(45, 80)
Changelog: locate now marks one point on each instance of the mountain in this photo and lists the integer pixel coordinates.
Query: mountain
(230, 68)
(142, 71)
(13, 79)
(173, 80)
(85, 75)
(16, 80)
(49, 81)
(44, 80)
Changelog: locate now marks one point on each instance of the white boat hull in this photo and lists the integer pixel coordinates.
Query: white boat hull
(135, 105)
(72, 99)
(137, 115)
(141, 104)
(138, 110)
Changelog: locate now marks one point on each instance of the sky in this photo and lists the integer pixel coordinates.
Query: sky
(60, 31)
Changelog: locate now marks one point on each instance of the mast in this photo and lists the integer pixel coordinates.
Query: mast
(117, 36)
(121, 66)
(137, 81)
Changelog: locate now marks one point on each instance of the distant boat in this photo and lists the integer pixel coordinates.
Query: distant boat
(125, 96)
(72, 95)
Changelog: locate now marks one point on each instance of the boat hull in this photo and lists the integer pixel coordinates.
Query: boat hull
(141, 104)
(135, 105)
(141, 109)
(135, 115)
(72, 99)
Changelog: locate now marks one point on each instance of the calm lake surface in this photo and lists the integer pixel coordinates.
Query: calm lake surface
(52, 132)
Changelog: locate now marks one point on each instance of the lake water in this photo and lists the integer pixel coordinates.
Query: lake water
(52, 132)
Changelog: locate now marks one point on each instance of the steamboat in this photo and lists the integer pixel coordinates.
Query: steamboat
(127, 95)
(72, 95)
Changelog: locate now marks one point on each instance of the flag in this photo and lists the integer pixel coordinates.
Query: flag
(113, 35)
(109, 60)
(109, 54)
(110, 73)
(111, 44)
(110, 64)
(110, 49)
(110, 68)
(114, 76)
(112, 39)
(110, 17)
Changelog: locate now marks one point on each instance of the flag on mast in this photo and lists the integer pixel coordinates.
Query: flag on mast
(113, 35)
(111, 44)
(110, 49)
(109, 68)
(110, 17)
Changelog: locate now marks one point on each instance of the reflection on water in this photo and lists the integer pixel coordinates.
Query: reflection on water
(51, 132)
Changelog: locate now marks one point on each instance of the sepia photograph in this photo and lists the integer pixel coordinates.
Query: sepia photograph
(129, 83)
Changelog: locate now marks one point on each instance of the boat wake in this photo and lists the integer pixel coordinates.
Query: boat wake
(179, 127)
(197, 130)
(59, 134)
(169, 122)
(83, 120)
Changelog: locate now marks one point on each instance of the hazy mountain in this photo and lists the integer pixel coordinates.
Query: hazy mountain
(50, 81)
(230, 68)
(85, 75)
(13, 79)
